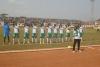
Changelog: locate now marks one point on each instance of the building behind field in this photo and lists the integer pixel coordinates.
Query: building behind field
(97, 22)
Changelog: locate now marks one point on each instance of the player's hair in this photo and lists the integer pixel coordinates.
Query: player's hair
(41, 25)
(60, 26)
(76, 27)
(55, 25)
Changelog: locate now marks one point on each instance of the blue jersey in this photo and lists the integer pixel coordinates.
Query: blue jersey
(6, 29)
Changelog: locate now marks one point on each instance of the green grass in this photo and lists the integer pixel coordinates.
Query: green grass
(91, 37)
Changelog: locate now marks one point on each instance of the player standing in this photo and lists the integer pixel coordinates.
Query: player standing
(26, 34)
(16, 33)
(42, 34)
(49, 38)
(34, 33)
(61, 31)
(68, 34)
(6, 31)
(55, 31)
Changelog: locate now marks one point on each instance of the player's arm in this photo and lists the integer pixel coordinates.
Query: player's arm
(8, 28)
(18, 30)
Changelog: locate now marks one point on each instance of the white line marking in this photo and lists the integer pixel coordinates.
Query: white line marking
(45, 49)
(91, 47)
(94, 45)
(34, 50)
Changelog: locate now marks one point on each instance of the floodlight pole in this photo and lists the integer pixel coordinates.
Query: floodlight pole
(92, 10)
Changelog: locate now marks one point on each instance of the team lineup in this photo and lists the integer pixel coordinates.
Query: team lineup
(45, 33)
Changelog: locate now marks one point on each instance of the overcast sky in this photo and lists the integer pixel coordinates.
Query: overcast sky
(67, 9)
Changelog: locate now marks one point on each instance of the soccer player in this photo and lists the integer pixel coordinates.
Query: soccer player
(77, 38)
(42, 34)
(61, 31)
(68, 34)
(26, 34)
(34, 33)
(55, 31)
(49, 38)
(6, 31)
(16, 33)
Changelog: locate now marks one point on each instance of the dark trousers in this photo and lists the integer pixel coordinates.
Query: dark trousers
(76, 41)
(5, 39)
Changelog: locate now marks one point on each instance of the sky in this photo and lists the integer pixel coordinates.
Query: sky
(58, 9)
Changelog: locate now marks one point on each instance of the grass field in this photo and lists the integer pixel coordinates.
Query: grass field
(91, 37)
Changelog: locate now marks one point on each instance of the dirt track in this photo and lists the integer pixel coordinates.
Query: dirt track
(89, 57)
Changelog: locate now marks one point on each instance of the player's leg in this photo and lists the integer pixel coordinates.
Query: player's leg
(28, 38)
(53, 37)
(35, 40)
(28, 41)
(50, 38)
(50, 41)
(18, 41)
(24, 41)
(56, 37)
(32, 37)
(62, 37)
(47, 39)
(78, 44)
(24, 38)
(43, 40)
(59, 38)
(35, 37)
(81, 34)
(18, 38)
(8, 39)
(66, 38)
(43, 36)
(4, 38)
(14, 38)
(40, 38)
(75, 41)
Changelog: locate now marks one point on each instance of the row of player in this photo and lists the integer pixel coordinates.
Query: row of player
(57, 32)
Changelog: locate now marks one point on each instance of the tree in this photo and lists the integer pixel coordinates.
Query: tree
(3, 15)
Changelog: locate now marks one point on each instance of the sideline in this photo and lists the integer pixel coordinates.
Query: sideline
(45, 49)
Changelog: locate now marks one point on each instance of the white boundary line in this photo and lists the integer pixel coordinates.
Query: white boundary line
(94, 45)
(45, 49)
(34, 50)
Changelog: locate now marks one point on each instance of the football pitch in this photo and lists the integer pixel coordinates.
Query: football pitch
(90, 37)
(52, 55)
